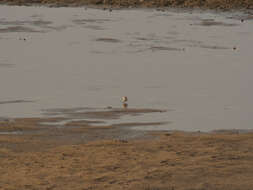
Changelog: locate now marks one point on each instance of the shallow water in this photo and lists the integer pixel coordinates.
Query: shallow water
(195, 64)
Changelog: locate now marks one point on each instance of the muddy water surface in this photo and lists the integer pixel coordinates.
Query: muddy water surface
(196, 65)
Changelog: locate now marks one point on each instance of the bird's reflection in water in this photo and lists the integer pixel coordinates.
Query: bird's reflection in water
(124, 105)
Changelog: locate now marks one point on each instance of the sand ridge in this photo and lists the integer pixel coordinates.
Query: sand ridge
(209, 4)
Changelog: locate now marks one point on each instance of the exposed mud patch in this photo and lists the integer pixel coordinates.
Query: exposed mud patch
(113, 113)
(212, 22)
(110, 40)
(39, 22)
(15, 101)
(16, 22)
(57, 28)
(200, 44)
(85, 21)
(213, 47)
(78, 122)
(36, 15)
(17, 29)
(94, 27)
(163, 48)
(62, 111)
(139, 124)
(21, 26)
(187, 41)
(68, 128)
(82, 124)
(97, 52)
(42, 23)
(143, 39)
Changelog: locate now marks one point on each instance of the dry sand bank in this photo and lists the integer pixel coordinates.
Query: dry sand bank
(210, 4)
(75, 157)
(174, 161)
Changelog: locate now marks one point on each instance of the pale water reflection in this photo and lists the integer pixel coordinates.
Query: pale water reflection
(173, 60)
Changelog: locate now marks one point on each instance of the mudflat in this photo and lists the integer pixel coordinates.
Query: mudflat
(200, 80)
(85, 155)
(194, 63)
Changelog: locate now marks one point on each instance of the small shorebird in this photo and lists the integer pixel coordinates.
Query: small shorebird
(124, 99)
